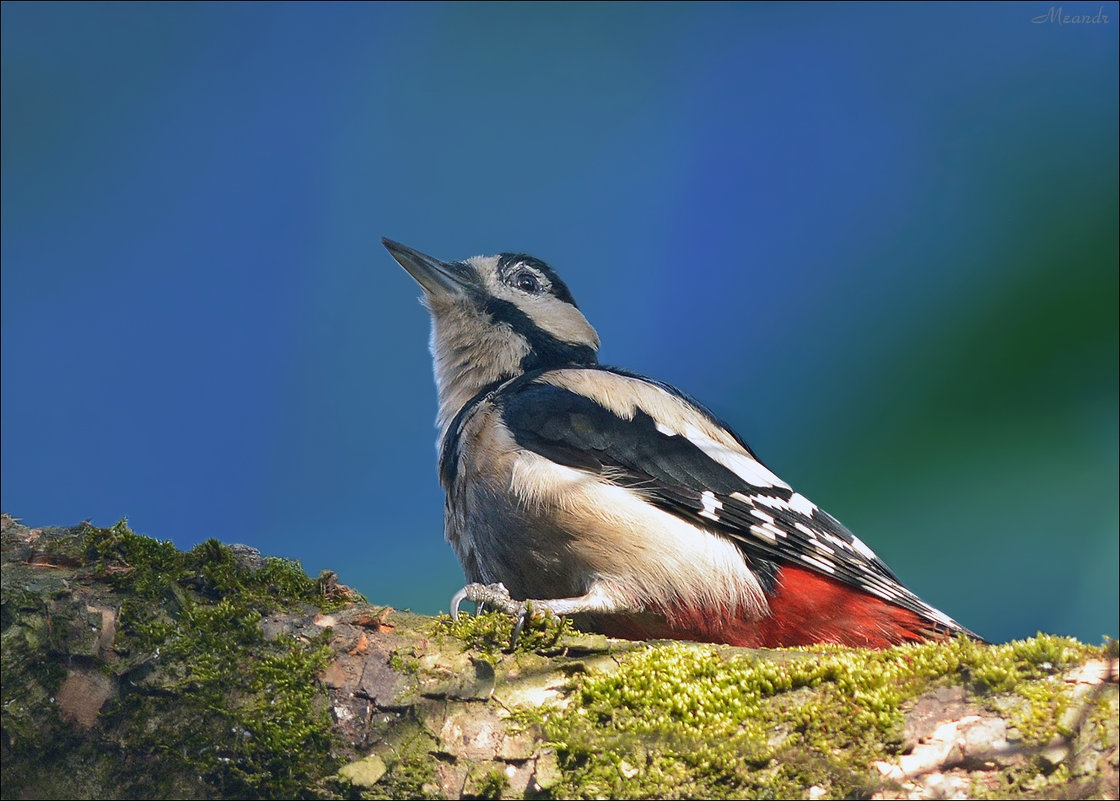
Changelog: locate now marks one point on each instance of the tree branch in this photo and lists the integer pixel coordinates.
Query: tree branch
(132, 669)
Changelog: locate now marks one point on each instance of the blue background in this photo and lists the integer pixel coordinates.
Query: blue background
(880, 240)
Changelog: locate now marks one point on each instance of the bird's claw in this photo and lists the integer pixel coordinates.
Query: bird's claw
(495, 595)
(498, 597)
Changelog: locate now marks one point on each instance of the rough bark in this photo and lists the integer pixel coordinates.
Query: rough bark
(131, 669)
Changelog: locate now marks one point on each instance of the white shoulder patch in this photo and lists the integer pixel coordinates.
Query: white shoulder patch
(738, 462)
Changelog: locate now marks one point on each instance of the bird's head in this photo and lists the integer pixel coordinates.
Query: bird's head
(494, 318)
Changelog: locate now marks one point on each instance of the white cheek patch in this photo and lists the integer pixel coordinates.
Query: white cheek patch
(559, 319)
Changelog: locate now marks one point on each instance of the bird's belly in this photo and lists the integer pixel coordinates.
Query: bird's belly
(500, 540)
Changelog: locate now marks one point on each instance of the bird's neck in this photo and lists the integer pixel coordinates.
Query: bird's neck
(471, 354)
(466, 362)
(457, 388)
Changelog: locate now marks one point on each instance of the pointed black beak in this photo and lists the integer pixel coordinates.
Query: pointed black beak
(435, 276)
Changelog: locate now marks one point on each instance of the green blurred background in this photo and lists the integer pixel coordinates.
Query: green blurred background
(880, 240)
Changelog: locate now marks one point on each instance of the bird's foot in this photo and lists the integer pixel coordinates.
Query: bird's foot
(497, 597)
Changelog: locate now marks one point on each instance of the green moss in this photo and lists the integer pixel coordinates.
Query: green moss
(404, 663)
(225, 711)
(1100, 719)
(1032, 780)
(491, 632)
(1038, 717)
(248, 720)
(687, 720)
(485, 783)
(30, 633)
(406, 752)
(149, 568)
(1004, 667)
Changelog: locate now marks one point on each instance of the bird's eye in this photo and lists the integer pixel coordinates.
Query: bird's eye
(526, 281)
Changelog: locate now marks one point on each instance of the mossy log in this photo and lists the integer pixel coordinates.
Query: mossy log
(132, 669)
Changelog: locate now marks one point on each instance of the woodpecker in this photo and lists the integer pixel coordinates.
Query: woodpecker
(588, 491)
